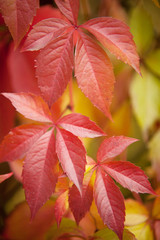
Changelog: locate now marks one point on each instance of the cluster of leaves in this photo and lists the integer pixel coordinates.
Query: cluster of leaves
(52, 149)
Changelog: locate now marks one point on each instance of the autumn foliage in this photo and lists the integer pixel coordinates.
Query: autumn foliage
(58, 74)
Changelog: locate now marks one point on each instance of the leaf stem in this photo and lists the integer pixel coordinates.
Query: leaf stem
(85, 10)
(71, 95)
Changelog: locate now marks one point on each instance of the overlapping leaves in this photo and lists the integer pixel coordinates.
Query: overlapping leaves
(107, 196)
(44, 143)
(93, 69)
(38, 143)
(18, 15)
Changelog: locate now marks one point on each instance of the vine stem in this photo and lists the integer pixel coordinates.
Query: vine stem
(71, 95)
(85, 9)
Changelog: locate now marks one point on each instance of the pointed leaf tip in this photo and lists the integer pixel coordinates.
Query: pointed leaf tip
(129, 176)
(30, 105)
(115, 35)
(19, 140)
(113, 146)
(18, 16)
(69, 8)
(3, 177)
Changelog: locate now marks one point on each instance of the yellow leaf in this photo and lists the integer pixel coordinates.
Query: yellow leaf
(136, 213)
(145, 97)
(153, 60)
(154, 153)
(142, 231)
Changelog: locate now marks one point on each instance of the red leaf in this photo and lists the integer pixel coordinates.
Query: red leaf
(113, 146)
(69, 8)
(43, 32)
(80, 126)
(30, 105)
(80, 204)
(47, 11)
(110, 202)
(18, 14)
(71, 154)
(115, 36)
(3, 177)
(7, 111)
(19, 141)
(129, 176)
(60, 206)
(22, 71)
(94, 73)
(54, 67)
(39, 172)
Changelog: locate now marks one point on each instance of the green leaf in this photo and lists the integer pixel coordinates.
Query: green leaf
(67, 227)
(109, 234)
(141, 28)
(154, 13)
(154, 153)
(153, 60)
(145, 97)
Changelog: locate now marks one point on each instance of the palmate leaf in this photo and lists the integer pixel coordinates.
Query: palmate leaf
(44, 32)
(39, 172)
(18, 14)
(69, 8)
(129, 176)
(110, 202)
(93, 68)
(37, 144)
(94, 73)
(115, 36)
(71, 154)
(54, 67)
(80, 126)
(19, 140)
(113, 146)
(30, 105)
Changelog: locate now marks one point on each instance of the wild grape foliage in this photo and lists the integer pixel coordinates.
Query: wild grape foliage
(48, 145)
